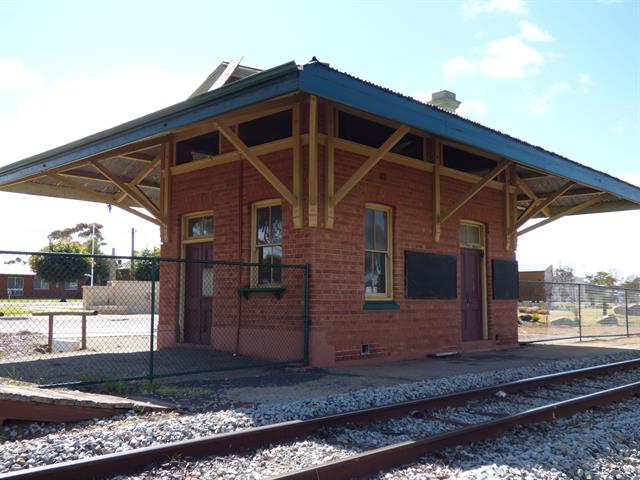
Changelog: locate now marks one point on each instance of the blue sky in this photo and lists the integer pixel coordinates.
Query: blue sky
(562, 75)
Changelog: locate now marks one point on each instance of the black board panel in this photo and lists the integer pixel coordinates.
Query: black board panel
(505, 279)
(428, 275)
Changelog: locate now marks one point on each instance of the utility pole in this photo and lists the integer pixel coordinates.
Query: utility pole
(93, 249)
(133, 242)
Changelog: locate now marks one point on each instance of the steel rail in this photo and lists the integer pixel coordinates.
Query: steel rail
(385, 458)
(256, 437)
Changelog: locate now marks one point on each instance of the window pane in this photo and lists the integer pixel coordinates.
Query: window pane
(277, 260)
(200, 227)
(380, 230)
(262, 226)
(375, 268)
(470, 235)
(207, 282)
(276, 224)
(264, 270)
(368, 229)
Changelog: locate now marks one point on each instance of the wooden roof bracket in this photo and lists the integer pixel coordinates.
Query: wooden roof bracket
(371, 162)
(567, 211)
(101, 197)
(258, 164)
(537, 206)
(313, 161)
(524, 186)
(499, 168)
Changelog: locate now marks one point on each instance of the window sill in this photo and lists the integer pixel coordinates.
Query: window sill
(276, 291)
(383, 305)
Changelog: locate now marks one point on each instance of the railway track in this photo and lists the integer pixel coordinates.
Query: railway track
(409, 430)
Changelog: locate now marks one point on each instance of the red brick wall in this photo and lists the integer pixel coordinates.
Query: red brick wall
(54, 290)
(336, 257)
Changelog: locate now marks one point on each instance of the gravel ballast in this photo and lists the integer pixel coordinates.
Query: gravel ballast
(60, 443)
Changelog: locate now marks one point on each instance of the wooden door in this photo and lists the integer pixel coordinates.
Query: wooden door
(471, 293)
(198, 293)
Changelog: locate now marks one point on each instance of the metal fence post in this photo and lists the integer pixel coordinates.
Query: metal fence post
(626, 309)
(579, 313)
(153, 314)
(306, 314)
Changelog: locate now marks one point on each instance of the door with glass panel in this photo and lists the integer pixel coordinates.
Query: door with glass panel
(198, 280)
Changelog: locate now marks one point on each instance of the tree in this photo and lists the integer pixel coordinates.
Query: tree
(632, 282)
(89, 236)
(61, 268)
(605, 279)
(143, 266)
(563, 274)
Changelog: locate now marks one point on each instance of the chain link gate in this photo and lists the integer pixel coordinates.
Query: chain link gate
(84, 320)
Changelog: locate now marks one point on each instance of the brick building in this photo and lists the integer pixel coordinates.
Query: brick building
(407, 214)
(18, 281)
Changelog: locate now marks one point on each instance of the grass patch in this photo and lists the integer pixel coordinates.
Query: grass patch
(175, 390)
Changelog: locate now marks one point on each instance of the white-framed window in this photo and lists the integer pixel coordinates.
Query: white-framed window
(71, 285)
(15, 287)
(198, 227)
(266, 242)
(378, 259)
(40, 284)
(471, 235)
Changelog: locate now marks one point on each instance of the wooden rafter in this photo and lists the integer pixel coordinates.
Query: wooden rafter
(257, 163)
(100, 197)
(133, 192)
(567, 211)
(371, 162)
(136, 181)
(474, 190)
(99, 178)
(524, 186)
(536, 207)
(313, 161)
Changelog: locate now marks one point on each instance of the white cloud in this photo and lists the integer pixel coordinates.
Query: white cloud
(532, 32)
(456, 66)
(585, 82)
(471, 108)
(49, 114)
(541, 103)
(474, 7)
(64, 111)
(509, 57)
(14, 75)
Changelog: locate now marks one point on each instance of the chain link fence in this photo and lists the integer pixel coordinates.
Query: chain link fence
(559, 311)
(82, 319)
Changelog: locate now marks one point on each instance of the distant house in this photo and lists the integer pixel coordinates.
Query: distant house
(17, 280)
(532, 283)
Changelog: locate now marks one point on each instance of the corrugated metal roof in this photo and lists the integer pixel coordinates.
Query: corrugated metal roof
(16, 268)
(321, 80)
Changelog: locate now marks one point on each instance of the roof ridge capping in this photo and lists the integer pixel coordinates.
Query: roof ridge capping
(320, 79)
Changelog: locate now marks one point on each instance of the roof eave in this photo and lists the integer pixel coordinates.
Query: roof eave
(317, 79)
(272, 83)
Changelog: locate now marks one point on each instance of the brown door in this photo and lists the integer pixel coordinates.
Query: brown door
(471, 294)
(198, 292)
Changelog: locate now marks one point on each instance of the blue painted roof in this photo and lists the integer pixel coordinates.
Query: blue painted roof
(321, 80)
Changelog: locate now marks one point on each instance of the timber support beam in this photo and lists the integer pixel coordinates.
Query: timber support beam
(371, 162)
(538, 206)
(567, 211)
(258, 164)
(484, 181)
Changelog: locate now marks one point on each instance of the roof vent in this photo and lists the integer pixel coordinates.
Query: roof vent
(445, 100)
